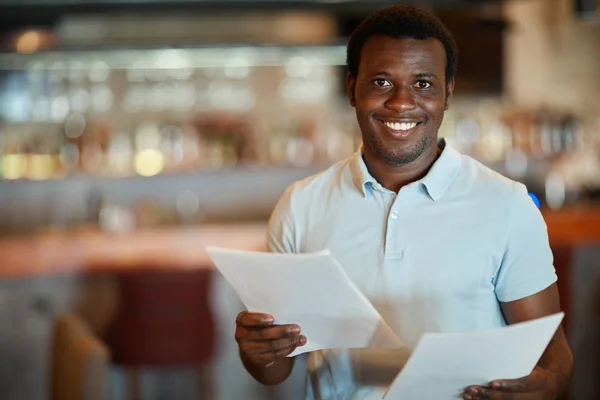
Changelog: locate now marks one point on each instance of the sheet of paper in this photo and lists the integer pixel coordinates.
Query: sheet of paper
(443, 365)
(311, 290)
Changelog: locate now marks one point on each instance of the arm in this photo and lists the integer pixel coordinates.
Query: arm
(264, 347)
(280, 239)
(274, 374)
(557, 360)
(528, 264)
(526, 289)
(550, 378)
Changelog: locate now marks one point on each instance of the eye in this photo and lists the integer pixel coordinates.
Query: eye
(423, 85)
(380, 82)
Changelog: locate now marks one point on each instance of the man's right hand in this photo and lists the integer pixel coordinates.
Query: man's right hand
(262, 343)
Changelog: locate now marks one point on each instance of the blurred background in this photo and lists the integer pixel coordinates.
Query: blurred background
(133, 133)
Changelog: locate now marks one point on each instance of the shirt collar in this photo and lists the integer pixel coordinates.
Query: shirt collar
(443, 171)
(360, 174)
(436, 182)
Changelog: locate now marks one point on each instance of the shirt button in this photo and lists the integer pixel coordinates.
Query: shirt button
(394, 215)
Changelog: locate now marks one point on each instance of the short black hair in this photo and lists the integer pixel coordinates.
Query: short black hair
(402, 22)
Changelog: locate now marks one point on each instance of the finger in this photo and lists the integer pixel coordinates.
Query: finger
(472, 392)
(266, 333)
(522, 385)
(273, 346)
(270, 357)
(257, 320)
(275, 355)
(274, 332)
(492, 394)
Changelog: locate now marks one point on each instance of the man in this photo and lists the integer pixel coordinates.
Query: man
(434, 239)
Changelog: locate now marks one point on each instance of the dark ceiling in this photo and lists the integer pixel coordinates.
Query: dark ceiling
(18, 14)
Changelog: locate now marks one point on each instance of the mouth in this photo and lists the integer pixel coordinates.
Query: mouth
(401, 129)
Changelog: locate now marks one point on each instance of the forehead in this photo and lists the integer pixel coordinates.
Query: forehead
(384, 53)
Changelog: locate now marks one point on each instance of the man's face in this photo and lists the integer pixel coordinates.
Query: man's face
(400, 96)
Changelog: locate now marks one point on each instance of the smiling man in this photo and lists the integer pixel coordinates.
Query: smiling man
(437, 241)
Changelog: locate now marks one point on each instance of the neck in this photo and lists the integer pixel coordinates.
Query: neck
(395, 177)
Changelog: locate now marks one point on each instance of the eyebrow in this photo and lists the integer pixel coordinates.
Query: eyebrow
(381, 73)
(422, 75)
(426, 75)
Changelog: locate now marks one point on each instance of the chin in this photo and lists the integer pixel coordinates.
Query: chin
(399, 152)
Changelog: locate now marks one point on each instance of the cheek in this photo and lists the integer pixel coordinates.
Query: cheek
(363, 107)
(435, 108)
(367, 104)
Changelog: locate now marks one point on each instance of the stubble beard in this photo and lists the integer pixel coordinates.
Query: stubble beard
(403, 156)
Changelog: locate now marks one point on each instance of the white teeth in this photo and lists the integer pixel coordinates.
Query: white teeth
(400, 126)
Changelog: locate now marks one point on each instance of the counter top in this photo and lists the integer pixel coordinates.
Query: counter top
(573, 226)
(93, 251)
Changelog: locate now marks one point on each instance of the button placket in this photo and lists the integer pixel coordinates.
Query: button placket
(393, 247)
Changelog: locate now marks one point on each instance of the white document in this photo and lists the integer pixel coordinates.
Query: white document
(310, 290)
(444, 364)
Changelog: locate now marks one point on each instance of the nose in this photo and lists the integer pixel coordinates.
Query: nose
(401, 99)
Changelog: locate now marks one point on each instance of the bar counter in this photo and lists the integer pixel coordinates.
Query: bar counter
(92, 251)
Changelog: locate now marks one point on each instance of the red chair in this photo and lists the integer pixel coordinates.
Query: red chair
(164, 320)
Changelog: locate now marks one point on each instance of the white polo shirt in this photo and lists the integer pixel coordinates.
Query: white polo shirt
(438, 256)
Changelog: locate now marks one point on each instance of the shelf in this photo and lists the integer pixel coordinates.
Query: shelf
(241, 55)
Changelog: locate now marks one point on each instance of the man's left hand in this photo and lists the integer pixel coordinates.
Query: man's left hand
(540, 385)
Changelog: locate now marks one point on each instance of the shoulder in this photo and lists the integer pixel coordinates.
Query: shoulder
(503, 202)
(485, 183)
(310, 189)
(299, 205)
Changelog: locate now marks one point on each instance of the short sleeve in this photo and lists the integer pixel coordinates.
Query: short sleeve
(527, 265)
(280, 232)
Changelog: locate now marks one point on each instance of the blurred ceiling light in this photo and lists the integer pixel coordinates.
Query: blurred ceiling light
(171, 58)
(60, 108)
(29, 42)
(237, 68)
(40, 166)
(147, 136)
(76, 72)
(184, 97)
(180, 74)
(299, 90)
(467, 132)
(99, 72)
(79, 100)
(14, 166)
(497, 142)
(74, 126)
(69, 156)
(298, 67)
(120, 154)
(135, 99)
(516, 163)
(149, 162)
(555, 191)
(137, 72)
(102, 98)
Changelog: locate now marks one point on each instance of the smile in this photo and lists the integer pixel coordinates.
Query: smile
(402, 128)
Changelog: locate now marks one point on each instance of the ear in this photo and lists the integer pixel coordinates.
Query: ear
(351, 88)
(449, 93)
